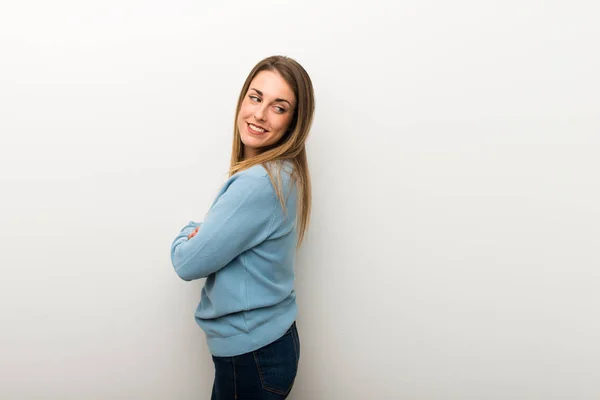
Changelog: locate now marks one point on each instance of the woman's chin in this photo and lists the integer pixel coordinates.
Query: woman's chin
(250, 141)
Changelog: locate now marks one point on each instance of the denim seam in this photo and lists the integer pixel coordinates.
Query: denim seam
(295, 347)
(235, 396)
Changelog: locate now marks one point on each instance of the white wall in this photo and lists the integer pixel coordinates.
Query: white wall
(454, 245)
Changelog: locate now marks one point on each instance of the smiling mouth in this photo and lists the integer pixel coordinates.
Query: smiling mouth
(256, 129)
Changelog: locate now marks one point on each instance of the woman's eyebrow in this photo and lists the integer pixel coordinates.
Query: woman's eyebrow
(259, 92)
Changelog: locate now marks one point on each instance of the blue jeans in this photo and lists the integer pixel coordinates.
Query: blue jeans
(264, 374)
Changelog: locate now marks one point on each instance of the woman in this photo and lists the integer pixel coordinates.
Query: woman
(246, 245)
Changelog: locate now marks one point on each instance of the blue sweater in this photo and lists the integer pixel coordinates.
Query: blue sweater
(246, 249)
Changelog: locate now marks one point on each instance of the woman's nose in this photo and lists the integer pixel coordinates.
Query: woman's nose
(259, 114)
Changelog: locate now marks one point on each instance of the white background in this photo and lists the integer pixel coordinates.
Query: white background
(454, 246)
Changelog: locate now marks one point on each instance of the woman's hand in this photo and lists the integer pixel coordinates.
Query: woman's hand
(191, 235)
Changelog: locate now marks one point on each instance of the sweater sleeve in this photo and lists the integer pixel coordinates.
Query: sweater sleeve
(183, 234)
(240, 219)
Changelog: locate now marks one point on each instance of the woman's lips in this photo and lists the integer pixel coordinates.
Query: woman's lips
(252, 131)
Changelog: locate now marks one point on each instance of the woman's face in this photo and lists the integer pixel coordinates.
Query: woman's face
(266, 112)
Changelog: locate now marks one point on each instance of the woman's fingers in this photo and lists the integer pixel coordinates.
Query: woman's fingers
(191, 235)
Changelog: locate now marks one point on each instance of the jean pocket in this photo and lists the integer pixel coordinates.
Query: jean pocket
(277, 364)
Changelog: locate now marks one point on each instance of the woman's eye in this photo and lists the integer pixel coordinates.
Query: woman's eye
(278, 109)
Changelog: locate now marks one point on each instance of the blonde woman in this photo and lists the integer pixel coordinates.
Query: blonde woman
(246, 245)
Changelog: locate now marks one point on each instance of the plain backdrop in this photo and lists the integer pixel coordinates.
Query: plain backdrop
(453, 251)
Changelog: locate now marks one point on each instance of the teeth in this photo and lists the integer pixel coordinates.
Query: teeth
(256, 128)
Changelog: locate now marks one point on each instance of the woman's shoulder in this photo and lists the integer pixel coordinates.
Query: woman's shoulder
(275, 167)
(281, 173)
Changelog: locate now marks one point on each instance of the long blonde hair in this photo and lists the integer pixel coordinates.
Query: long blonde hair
(291, 146)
